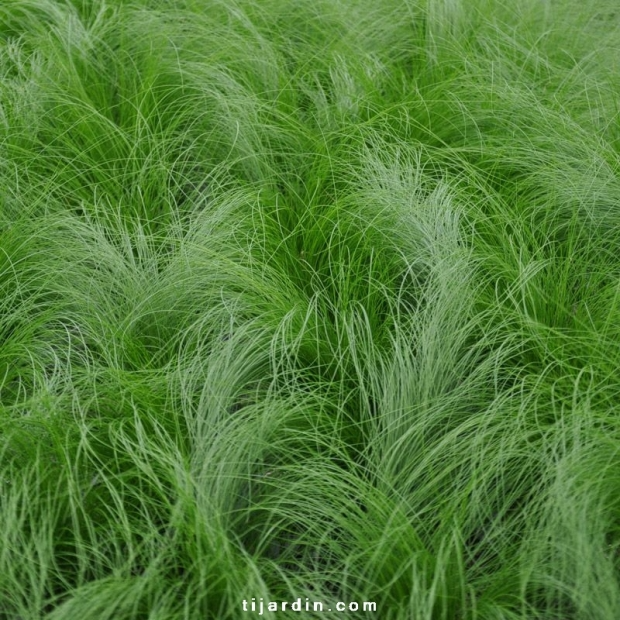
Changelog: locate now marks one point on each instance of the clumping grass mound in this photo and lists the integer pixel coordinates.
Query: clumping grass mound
(309, 299)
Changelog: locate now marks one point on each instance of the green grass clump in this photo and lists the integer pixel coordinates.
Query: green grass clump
(309, 299)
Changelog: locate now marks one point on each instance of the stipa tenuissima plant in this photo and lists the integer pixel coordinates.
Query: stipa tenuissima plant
(310, 301)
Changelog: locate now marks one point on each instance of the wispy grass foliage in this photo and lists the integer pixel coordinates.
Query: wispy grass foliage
(309, 299)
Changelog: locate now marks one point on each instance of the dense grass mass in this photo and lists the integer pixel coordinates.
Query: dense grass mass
(309, 299)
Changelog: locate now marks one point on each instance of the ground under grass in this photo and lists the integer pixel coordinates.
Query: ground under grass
(309, 299)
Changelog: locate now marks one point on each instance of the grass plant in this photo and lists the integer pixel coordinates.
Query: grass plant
(309, 299)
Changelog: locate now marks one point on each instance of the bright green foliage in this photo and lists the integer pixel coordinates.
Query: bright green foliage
(309, 298)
